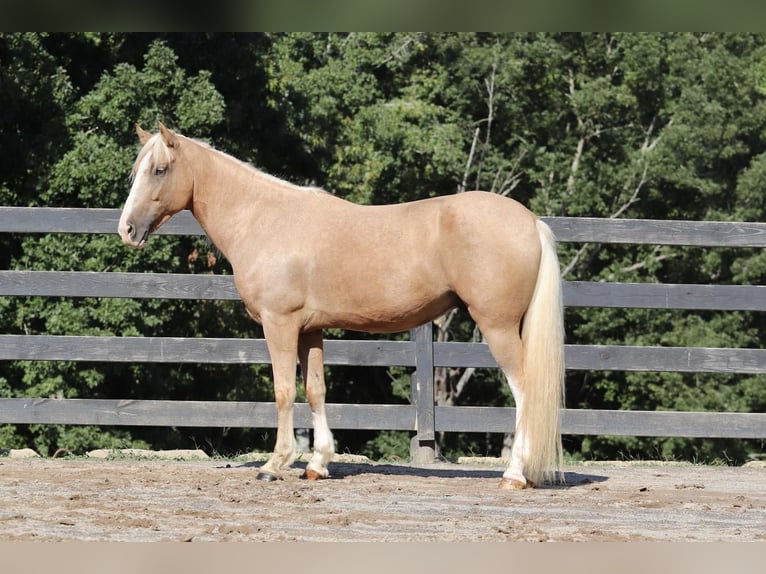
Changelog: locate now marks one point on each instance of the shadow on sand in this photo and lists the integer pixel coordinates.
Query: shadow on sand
(341, 470)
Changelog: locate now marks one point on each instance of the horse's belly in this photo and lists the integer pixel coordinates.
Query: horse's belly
(385, 314)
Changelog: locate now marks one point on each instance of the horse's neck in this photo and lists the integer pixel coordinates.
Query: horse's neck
(229, 196)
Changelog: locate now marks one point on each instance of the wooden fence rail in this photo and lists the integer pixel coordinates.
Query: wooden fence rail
(421, 416)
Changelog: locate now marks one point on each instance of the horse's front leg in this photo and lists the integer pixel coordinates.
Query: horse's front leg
(311, 355)
(283, 348)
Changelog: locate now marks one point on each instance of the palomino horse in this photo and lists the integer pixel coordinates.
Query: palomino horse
(304, 260)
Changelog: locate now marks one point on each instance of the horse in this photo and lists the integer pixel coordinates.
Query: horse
(305, 260)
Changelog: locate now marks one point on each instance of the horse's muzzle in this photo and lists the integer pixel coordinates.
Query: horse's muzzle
(130, 236)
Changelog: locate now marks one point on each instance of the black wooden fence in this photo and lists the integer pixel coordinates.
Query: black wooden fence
(421, 416)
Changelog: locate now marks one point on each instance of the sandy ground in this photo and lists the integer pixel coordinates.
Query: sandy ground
(160, 500)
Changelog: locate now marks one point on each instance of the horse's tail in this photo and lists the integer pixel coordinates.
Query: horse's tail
(543, 387)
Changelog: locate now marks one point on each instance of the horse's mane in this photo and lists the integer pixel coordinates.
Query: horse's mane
(161, 154)
(263, 174)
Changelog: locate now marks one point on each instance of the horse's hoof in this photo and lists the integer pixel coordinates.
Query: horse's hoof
(310, 474)
(268, 477)
(513, 484)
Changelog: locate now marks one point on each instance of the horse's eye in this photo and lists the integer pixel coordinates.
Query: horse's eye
(160, 171)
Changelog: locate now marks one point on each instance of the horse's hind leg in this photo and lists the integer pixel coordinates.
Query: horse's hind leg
(513, 477)
(506, 347)
(311, 355)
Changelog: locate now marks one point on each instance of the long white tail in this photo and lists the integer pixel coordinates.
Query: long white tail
(543, 388)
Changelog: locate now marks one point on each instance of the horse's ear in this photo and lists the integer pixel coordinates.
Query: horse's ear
(168, 135)
(143, 135)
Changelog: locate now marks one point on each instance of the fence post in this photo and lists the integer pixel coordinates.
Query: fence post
(423, 444)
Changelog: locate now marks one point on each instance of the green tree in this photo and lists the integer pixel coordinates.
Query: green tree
(696, 124)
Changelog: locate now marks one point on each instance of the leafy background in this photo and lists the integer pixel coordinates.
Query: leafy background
(605, 125)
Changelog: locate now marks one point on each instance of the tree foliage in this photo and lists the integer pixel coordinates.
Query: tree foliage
(606, 125)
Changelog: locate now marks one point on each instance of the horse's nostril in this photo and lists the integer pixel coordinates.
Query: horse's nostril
(131, 230)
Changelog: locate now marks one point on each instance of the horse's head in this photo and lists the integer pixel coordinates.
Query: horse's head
(162, 186)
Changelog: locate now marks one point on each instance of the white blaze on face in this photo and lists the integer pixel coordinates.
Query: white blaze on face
(124, 229)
